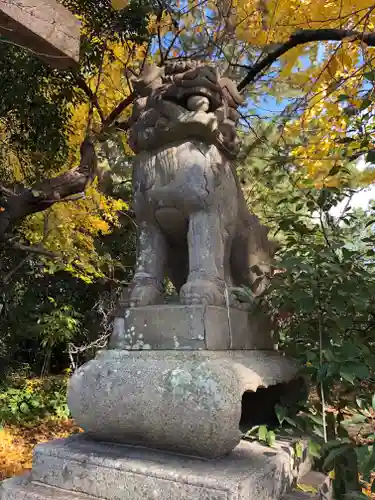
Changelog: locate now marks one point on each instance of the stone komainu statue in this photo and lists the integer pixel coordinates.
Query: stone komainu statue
(194, 225)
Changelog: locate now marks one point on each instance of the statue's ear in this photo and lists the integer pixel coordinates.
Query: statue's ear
(150, 72)
(149, 79)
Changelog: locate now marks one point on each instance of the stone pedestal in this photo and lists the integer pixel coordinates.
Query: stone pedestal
(181, 328)
(182, 378)
(162, 410)
(78, 469)
(187, 401)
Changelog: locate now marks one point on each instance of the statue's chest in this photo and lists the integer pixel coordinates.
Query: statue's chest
(179, 165)
(167, 165)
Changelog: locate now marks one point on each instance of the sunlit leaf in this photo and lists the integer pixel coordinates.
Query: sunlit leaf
(119, 4)
(262, 433)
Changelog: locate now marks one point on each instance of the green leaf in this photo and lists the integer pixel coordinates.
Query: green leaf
(362, 455)
(119, 4)
(281, 413)
(373, 486)
(34, 403)
(347, 375)
(369, 466)
(334, 453)
(356, 419)
(370, 75)
(328, 354)
(24, 408)
(252, 430)
(360, 370)
(373, 402)
(290, 421)
(271, 438)
(334, 443)
(262, 433)
(317, 419)
(299, 449)
(314, 449)
(365, 104)
(370, 158)
(334, 170)
(323, 197)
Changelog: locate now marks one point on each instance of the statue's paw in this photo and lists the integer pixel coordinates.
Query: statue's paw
(237, 304)
(145, 295)
(201, 292)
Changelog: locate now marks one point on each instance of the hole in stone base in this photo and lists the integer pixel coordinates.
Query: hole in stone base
(258, 408)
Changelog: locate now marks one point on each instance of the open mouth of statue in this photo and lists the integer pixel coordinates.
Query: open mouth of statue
(197, 99)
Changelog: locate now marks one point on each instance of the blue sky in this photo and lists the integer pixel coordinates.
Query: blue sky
(361, 199)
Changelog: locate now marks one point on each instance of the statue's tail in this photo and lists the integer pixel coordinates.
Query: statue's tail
(252, 255)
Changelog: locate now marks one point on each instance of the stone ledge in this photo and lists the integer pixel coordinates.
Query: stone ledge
(190, 327)
(86, 470)
(44, 26)
(22, 488)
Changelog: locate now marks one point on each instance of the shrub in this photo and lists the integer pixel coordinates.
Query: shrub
(26, 401)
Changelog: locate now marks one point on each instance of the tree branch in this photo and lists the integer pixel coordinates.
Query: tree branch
(11, 273)
(116, 112)
(90, 94)
(34, 250)
(15, 206)
(300, 38)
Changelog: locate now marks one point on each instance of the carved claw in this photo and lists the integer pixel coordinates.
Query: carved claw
(145, 295)
(201, 292)
(237, 304)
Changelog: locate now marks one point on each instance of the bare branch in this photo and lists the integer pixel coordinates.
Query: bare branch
(34, 250)
(90, 94)
(105, 308)
(115, 113)
(300, 38)
(17, 205)
(11, 273)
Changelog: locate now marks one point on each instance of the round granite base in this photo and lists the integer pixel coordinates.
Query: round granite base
(184, 401)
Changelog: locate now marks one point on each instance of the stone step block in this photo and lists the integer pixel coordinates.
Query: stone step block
(80, 469)
(118, 472)
(22, 488)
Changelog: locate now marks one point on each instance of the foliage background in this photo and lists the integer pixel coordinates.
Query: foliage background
(308, 118)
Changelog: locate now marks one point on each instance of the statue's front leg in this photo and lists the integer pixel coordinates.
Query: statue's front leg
(147, 284)
(206, 241)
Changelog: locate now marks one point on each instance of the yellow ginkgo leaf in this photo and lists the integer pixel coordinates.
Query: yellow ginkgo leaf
(306, 488)
(119, 4)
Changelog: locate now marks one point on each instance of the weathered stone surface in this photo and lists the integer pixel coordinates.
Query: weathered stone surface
(114, 472)
(45, 27)
(190, 327)
(188, 401)
(319, 484)
(193, 220)
(22, 488)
